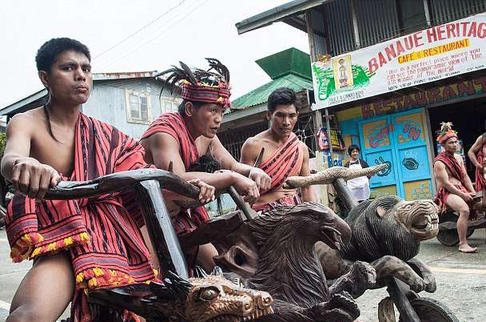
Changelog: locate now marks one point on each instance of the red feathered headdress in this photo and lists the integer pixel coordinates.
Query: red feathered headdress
(446, 132)
(211, 86)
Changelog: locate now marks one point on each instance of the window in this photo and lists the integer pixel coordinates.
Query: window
(169, 104)
(138, 107)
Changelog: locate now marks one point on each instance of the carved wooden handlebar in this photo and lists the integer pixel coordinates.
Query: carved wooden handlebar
(329, 175)
(121, 181)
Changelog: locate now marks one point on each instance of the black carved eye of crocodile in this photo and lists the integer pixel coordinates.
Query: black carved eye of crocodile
(410, 163)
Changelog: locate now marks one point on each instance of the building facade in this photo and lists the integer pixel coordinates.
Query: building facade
(389, 72)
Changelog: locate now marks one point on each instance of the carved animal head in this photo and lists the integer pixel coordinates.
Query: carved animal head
(419, 217)
(204, 299)
(214, 298)
(390, 226)
(287, 266)
(308, 222)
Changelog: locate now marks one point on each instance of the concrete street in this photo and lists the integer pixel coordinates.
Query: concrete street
(461, 279)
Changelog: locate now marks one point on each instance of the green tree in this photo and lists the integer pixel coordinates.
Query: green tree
(3, 141)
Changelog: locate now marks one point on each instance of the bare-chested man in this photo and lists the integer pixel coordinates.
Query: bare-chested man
(79, 244)
(183, 138)
(454, 187)
(284, 154)
(477, 155)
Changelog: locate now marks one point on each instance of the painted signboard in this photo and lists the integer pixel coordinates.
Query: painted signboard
(424, 56)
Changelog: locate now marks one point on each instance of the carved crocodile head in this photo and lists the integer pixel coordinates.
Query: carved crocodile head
(214, 298)
(205, 299)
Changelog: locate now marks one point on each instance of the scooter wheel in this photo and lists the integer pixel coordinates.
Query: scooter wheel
(430, 310)
(449, 237)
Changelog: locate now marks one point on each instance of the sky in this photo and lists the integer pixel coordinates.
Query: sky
(142, 35)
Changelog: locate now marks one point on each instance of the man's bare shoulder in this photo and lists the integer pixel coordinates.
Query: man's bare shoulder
(257, 139)
(29, 119)
(252, 141)
(439, 165)
(303, 147)
(458, 158)
(159, 140)
(31, 114)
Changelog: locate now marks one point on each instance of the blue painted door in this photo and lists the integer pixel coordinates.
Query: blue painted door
(399, 141)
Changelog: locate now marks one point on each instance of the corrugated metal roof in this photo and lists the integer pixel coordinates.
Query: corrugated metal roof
(20, 105)
(279, 13)
(260, 94)
(285, 62)
(124, 75)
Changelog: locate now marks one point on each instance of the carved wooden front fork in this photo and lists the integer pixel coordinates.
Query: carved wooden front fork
(407, 313)
(162, 234)
(345, 194)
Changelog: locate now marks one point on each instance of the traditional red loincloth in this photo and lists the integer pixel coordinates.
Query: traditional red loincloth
(101, 234)
(455, 170)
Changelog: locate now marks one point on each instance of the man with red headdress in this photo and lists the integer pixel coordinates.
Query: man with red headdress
(186, 138)
(281, 152)
(455, 189)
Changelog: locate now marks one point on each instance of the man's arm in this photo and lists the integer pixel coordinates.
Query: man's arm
(308, 193)
(262, 180)
(442, 177)
(474, 150)
(28, 175)
(468, 183)
(165, 150)
(249, 152)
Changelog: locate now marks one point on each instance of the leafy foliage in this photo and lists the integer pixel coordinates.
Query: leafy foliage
(3, 142)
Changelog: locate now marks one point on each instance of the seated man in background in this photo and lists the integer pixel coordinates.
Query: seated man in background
(454, 187)
(283, 155)
(182, 139)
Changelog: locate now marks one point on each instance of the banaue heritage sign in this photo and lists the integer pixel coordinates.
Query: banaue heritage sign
(422, 57)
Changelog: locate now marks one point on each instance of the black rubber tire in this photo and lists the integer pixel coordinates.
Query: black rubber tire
(430, 310)
(448, 237)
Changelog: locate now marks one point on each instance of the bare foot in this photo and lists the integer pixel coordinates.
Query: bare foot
(467, 249)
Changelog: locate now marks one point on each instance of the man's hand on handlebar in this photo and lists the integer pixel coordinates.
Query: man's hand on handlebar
(262, 180)
(206, 193)
(246, 188)
(33, 178)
